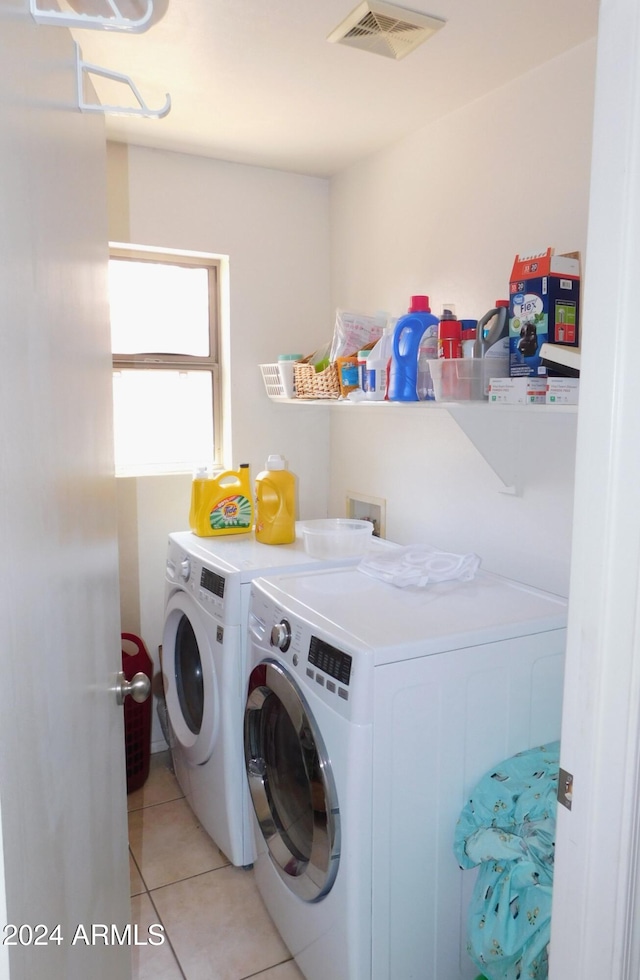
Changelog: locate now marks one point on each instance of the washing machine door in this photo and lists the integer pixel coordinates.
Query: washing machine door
(291, 783)
(191, 683)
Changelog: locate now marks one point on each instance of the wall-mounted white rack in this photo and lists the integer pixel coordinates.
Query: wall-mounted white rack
(117, 21)
(500, 433)
(85, 67)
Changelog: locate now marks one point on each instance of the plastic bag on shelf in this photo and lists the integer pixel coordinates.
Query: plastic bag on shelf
(355, 331)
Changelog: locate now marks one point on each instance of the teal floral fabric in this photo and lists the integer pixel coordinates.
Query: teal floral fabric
(508, 829)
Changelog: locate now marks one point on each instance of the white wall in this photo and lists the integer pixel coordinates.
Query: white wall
(274, 228)
(444, 212)
(440, 491)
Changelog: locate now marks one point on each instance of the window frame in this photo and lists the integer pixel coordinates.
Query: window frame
(156, 360)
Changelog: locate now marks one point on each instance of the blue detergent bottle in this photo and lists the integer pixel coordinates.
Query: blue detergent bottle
(408, 332)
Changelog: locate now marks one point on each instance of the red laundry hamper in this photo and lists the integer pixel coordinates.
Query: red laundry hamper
(137, 717)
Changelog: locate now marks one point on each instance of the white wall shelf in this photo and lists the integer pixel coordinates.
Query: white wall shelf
(116, 21)
(500, 433)
(473, 406)
(142, 109)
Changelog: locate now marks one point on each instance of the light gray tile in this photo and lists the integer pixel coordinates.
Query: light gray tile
(284, 971)
(150, 962)
(219, 928)
(135, 881)
(169, 844)
(160, 787)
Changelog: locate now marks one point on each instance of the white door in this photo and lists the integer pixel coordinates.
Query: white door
(596, 931)
(62, 775)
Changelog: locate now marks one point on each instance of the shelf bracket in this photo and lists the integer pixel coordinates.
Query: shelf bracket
(502, 453)
(142, 110)
(116, 22)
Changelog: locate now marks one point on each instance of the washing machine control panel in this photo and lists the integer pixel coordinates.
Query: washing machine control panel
(203, 580)
(208, 588)
(212, 582)
(178, 571)
(281, 635)
(206, 585)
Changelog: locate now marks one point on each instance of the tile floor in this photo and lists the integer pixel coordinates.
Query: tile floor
(215, 924)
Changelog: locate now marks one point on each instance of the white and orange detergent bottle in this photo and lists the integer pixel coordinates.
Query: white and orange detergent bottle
(275, 503)
(222, 503)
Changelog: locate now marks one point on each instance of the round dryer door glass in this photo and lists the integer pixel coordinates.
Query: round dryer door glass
(291, 783)
(189, 685)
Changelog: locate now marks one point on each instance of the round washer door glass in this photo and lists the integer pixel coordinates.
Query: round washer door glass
(189, 684)
(190, 677)
(291, 783)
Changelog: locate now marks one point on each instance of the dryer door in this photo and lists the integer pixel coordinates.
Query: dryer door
(191, 683)
(291, 783)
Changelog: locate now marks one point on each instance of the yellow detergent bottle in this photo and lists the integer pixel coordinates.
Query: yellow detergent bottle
(222, 503)
(275, 503)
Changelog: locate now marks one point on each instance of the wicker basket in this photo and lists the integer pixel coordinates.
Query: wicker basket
(310, 383)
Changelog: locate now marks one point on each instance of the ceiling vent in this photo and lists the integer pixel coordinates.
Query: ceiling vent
(385, 29)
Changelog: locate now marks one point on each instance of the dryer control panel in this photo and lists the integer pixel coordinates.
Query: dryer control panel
(321, 668)
(330, 660)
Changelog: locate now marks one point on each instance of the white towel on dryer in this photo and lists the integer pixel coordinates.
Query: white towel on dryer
(419, 565)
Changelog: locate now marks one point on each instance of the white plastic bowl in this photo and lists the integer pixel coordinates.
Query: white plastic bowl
(336, 537)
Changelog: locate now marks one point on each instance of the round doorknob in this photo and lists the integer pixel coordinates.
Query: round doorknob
(139, 687)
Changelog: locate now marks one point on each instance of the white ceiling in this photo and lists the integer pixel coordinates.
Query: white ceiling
(256, 81)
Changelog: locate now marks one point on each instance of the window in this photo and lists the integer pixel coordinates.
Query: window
(164, 339)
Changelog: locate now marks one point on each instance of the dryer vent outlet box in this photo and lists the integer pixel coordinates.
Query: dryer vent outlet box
(362, 507)
(385, 29)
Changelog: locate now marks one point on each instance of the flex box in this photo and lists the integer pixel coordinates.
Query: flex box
(544, 307)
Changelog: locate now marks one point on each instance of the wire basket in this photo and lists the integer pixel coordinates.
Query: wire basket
(278, 379)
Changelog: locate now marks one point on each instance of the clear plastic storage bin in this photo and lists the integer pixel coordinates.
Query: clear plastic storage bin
(460, 379)
(336, 537)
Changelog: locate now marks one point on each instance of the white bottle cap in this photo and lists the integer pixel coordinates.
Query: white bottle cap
(275, 462)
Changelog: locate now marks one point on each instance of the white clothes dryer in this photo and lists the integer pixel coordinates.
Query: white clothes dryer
(372, 712)
(205, 671)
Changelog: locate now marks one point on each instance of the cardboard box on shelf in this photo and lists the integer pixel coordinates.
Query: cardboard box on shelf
(544, 307)
(517, 391)
(563, 391)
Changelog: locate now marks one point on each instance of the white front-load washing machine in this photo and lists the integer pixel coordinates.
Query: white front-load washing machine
(204, 658)
(371, 714)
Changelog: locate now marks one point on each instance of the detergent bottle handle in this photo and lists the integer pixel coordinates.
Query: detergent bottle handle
(483, 343)
(397, 334)
(228, 479)
(498, 328)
